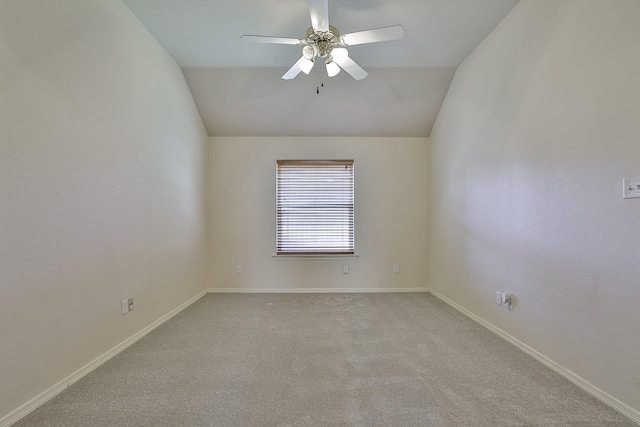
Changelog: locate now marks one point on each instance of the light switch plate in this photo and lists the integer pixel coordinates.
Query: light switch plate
(631, 188)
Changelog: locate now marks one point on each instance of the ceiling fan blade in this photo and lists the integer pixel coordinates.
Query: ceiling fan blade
(319, 11)
(353, 69)
(383, 34)
(269, 39)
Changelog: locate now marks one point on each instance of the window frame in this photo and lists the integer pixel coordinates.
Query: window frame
(318, 252)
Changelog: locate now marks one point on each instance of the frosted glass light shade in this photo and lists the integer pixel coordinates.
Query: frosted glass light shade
(306, 66)
(339, 54)
(332, 68)
(308, 52)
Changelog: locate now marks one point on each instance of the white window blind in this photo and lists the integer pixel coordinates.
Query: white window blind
(314, 207)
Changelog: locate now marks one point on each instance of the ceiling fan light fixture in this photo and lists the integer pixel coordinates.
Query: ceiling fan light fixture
(309, 52)
(339, 54)
(332, 68)
(306, 65)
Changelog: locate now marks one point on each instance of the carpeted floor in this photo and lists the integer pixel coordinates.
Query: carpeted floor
(322, 360)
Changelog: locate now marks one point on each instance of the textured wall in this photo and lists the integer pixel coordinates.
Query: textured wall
(540, 126)
(102, 159)
(390, 213)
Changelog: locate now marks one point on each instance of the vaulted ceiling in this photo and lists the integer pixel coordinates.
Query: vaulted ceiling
(238, 89)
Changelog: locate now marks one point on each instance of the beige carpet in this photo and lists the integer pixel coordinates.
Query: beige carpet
(323, 360)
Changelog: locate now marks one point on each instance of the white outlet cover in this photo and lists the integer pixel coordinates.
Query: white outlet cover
(631, 188)
(124, 307)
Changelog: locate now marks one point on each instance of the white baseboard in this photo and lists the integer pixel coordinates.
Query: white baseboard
(601, 395)
(311, 290)
(48, 394)
(53, 391)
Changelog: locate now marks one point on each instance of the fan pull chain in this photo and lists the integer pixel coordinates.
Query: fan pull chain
(322, 72)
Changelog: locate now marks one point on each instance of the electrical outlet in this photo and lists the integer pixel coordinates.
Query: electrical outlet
(345, 269)
(238, 269)
(499, 298)
(130, 301)
(124, 306)
(396, 268)
(631, 188)
(507, 298)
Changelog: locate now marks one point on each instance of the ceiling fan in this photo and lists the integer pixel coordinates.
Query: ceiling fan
(323, 42)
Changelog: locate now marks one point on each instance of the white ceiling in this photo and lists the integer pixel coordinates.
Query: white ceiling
(237, 85)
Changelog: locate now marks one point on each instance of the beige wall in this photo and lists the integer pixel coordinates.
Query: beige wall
(540, 126)
(102, 159)
(390, 213)
(103, 173)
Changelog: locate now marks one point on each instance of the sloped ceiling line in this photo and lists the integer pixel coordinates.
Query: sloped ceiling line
(237, 86)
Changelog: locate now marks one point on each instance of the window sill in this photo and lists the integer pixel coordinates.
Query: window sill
(314, 257)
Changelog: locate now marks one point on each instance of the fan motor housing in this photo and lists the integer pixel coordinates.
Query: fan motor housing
(323, 41)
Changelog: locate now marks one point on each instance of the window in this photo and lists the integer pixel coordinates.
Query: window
(314, 207)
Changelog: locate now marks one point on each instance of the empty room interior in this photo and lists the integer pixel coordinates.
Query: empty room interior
(491, 274)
